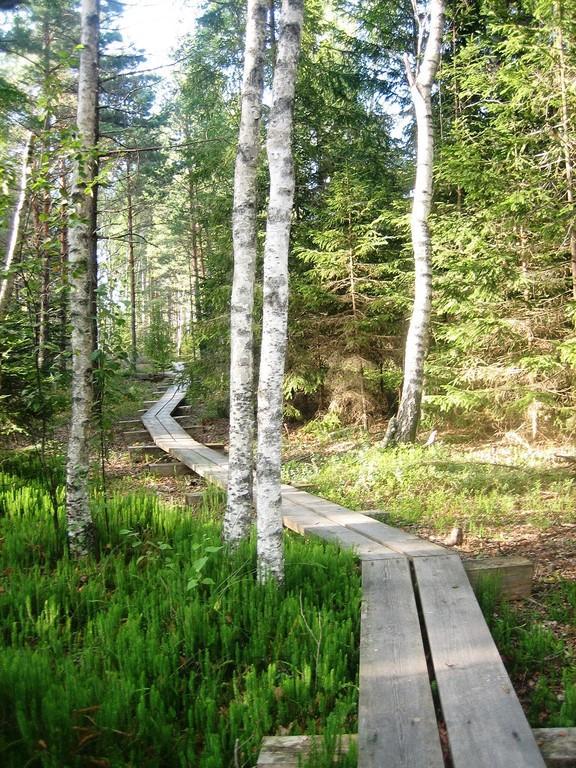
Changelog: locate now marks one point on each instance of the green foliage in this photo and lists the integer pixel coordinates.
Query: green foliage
(166, 650)
(158, 340)
(535, 655)
(439, 486)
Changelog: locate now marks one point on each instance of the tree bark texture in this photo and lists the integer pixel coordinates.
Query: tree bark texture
(82, 237)
(421, 82)
(239, 509)
(7, 280)
(275, 312)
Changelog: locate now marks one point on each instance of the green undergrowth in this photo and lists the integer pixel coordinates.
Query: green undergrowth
(540, 660)
(164, 651)
(439, 487)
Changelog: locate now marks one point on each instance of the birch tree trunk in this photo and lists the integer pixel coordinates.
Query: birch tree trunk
(421, 81)
(7, 280)
(239, 509)
(81, 535)
(275, 313)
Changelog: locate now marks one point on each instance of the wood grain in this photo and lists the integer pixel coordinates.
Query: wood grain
(396, 722)
(485, 722)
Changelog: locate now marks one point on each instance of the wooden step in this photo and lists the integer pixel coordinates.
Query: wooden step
(217, 446)
(484, 720)
(168, 470)
(188, 422)
(130, 422)
(512, 575)
(133, 436)
(557, 745)
(145, 452)
(183, 410)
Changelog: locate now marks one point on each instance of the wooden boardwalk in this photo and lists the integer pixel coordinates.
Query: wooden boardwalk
(422, 631)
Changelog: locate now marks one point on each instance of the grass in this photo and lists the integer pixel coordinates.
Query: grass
(440, 487)
(541, 663)
(164, 651)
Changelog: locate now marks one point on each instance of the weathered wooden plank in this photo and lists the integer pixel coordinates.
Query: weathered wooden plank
(558, 746)
(132, 436)
(513, 574)
(485, 722)
(400, 541)
(397, 725)
(290, 751)
(188, 422)
(168, 470)
(183, 410)
(304, 521)
(130, 422)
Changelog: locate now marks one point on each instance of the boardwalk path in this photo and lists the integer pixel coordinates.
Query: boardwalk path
(422, 630)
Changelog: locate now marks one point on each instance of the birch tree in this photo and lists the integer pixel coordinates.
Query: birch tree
(275, 311)
(421, 79)
(7, 280)
(239, 510)
(82, 242)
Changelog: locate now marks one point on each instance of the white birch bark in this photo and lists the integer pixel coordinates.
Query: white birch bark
(275, 313)
(239, 510)
(82, 234)
(421, 82)
(14, 237)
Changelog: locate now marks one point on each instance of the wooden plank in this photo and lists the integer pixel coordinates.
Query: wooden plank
(291, 751)
(485, 722)
(558, 746)
(304, 521)
(168, 470)
(142, 452)
(400, 541)
(184, 410)
(132, 436)
(513, 575)
(188, 422)
(397, 725)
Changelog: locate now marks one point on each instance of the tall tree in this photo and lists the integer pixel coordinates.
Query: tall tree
(239, 510)
(81, 536)
(7, 280)
(275, 312)
(421, 80)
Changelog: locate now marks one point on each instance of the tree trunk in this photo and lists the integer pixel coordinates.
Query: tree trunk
(81, 534)
(7, 280)
(131, 266)
(63, 298)
(275, 314)
(421, 82)
(238, 516)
